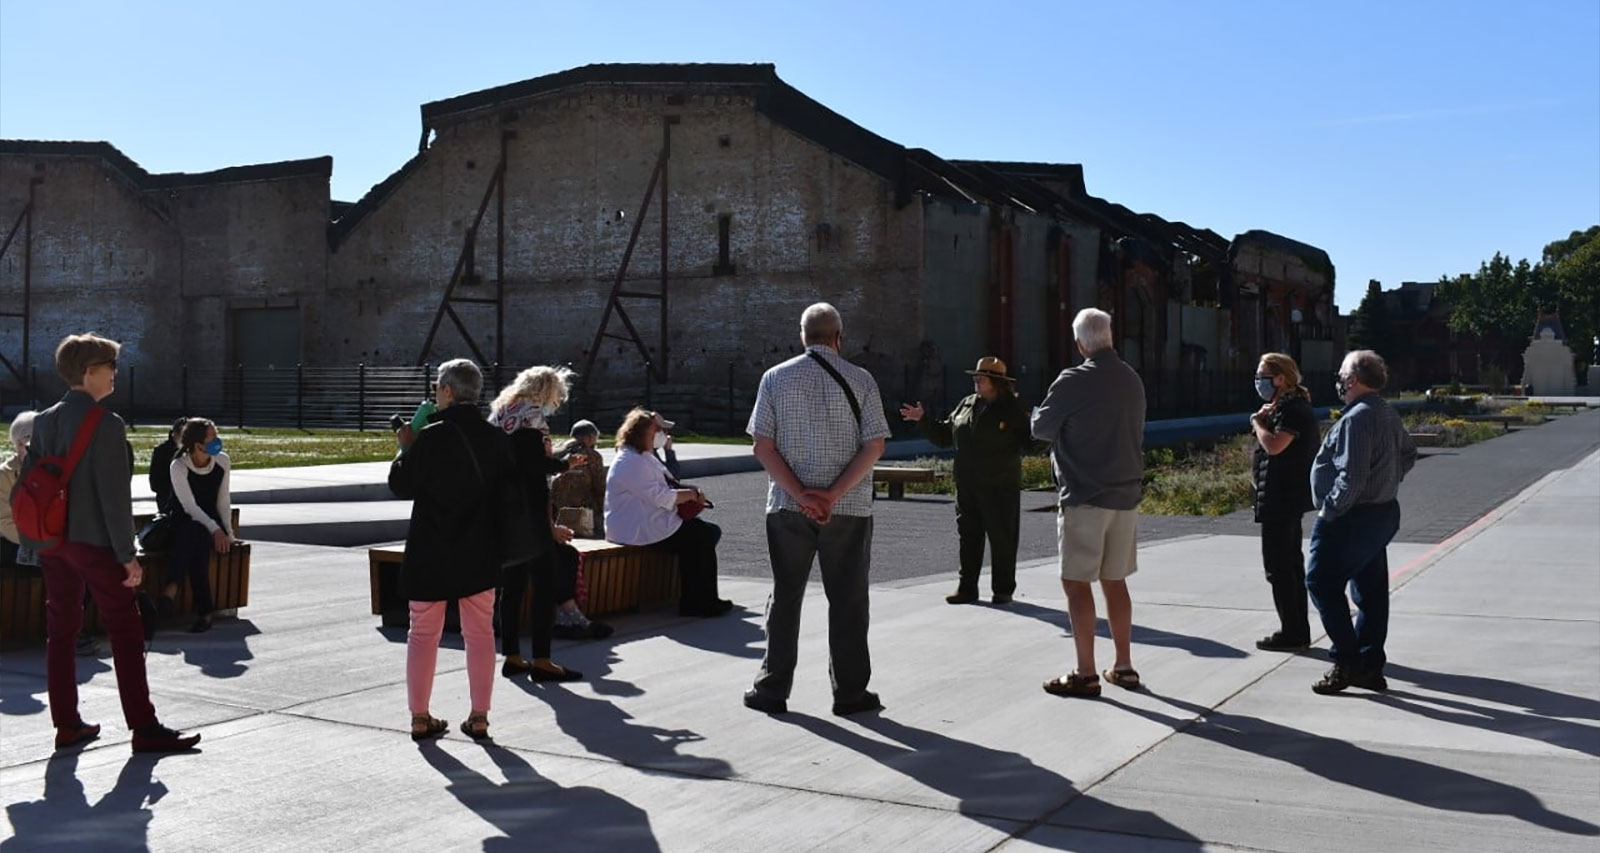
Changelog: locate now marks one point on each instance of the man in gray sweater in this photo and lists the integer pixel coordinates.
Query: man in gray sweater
(96, 553)
(1094, 416)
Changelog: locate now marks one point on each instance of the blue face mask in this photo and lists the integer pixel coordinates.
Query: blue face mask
(214, 446)
(1264, 387)
(548, 410)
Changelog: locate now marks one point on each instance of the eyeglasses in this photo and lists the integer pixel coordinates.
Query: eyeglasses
(110, 361)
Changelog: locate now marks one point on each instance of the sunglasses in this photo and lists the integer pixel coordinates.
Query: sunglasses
(110, 361)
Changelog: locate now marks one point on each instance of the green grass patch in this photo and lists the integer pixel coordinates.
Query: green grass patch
(1188, 480)
(266, 447)
(1452, 432)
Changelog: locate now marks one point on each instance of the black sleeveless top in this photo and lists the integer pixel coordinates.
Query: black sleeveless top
(205, 488)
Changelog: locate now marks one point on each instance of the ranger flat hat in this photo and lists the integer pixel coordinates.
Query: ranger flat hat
(991, 367)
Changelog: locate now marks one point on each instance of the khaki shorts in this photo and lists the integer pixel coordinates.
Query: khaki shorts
(1097, 544)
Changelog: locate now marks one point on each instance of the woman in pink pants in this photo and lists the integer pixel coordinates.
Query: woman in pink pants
(454, 472)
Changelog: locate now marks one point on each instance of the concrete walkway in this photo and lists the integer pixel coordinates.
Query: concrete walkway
(1487, 740)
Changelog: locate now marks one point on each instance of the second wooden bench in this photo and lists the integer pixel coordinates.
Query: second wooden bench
(620, 579)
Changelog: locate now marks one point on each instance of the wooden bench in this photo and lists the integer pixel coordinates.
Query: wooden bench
(620, 579)
(22, 613)
(1425, 439)
(896, 478)
(1505, 421)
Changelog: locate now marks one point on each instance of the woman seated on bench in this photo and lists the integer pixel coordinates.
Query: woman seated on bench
(200, 486)
(643, 508)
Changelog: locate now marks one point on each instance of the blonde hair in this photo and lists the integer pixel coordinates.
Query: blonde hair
(541, 385)
(634, 428)
(1281, 365)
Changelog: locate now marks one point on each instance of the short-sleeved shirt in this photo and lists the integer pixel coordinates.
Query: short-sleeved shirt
(806, 414)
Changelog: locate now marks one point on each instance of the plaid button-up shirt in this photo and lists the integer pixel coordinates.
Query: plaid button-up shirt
(1365, 455)
(806, 414)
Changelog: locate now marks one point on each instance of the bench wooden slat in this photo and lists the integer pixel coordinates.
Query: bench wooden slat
(620, 579)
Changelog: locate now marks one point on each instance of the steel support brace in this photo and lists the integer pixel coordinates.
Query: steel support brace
(655, 363)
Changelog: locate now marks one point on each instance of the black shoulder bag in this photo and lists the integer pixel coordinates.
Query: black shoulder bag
(848, 394)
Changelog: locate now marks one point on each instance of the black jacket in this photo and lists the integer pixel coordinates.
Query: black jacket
(990, 440)
(161, 477)
(533, 472)
(462, 529)
(1282, 483)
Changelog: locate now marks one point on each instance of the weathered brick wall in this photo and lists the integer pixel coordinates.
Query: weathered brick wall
(105, 259)
(576, 162)
(252, 244)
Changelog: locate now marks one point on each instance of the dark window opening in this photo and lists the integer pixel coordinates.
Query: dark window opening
(724, 228)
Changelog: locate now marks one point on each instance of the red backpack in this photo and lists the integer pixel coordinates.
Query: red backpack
(39, 501)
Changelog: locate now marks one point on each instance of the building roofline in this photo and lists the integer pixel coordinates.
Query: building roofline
(113, 157)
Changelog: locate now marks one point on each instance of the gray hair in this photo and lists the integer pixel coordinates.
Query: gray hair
(22, 431)
(463, 378)
(1092, 329)
(1366, 367)
(820, 324)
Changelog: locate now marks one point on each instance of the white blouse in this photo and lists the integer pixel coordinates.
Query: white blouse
(641, 507)
(180, 468)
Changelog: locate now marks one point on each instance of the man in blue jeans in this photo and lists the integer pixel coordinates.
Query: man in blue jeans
(1354, 481)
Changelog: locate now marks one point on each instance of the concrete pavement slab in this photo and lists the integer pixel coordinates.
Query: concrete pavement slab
(1486, 741)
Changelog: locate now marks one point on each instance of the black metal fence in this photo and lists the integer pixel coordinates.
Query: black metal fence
(364, 397)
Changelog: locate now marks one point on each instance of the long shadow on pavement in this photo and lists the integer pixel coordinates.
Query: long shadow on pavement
(65, 820)
(219, 653)
(1544, 719)
(729, 634)
(604, 729)
(986, 781)
(535, 813)
(1200, 647)
(1393, 776)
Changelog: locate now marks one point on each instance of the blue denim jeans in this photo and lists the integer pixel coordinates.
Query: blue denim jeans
(1351, 551)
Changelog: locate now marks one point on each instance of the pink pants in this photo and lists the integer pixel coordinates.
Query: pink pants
(422, 649)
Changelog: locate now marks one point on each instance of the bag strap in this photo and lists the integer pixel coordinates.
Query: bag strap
(848, 394)
(471, 454)
(80, 442)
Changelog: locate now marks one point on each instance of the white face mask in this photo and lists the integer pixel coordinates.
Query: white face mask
(660, 440)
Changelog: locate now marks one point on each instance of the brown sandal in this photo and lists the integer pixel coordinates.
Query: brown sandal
(1127, 679)
(427, 727)
(476, 726)
(1074, 684)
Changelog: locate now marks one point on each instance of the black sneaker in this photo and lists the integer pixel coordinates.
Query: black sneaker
(159, 738)
(765, 704)
(1277, 642)
(1369, 679)
(1333, 681)
(867, 702)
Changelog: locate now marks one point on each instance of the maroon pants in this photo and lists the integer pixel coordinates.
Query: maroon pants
(67, 571)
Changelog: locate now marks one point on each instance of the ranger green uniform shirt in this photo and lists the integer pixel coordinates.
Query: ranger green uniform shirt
(990, 440)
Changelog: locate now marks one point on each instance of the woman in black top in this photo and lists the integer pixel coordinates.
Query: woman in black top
(521, 411)
(199, 480)
(161, 469)
(1287, 437)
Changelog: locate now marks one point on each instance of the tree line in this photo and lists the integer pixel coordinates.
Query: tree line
(1500, 302)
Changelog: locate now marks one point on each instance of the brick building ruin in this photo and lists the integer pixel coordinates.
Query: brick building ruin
(735, 199)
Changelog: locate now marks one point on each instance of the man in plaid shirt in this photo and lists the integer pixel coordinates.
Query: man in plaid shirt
(819, 427)
(1354, 481)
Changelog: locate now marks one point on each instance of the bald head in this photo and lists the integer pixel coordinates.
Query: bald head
(820, 324)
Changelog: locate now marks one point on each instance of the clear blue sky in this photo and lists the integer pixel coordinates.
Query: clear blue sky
(1408, 139)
